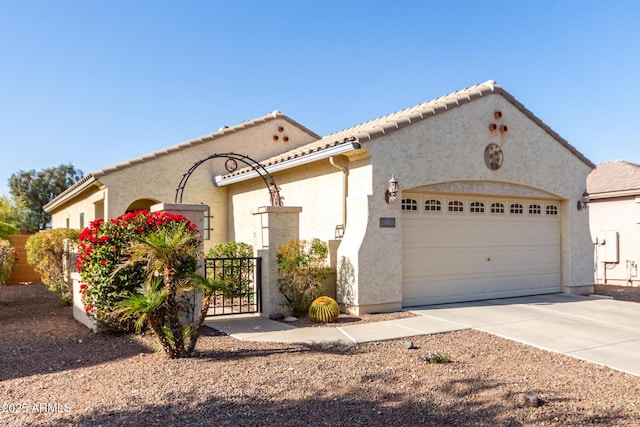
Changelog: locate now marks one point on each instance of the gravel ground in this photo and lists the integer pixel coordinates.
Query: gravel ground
(54, 372)
(622, 293)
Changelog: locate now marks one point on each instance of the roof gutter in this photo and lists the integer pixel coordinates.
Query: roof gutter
(614, 194)
(222, 180)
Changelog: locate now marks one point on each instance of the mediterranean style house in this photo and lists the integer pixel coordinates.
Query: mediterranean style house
(614, 218)
(465, 197)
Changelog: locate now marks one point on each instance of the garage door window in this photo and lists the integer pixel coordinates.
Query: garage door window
(432, 206)
(476, 207)
(409, 205)
(456, 206)
(534, 210)
(497, 208)
(516, 209)
(551, 210)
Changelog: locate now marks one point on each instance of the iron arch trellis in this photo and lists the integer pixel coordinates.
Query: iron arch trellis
(231, 165)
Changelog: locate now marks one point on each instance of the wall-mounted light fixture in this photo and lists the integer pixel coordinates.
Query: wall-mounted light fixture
(583, 203)
(391, 193)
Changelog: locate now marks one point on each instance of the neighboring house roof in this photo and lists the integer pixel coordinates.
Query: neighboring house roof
(93, 177)
(614, 179)
(351, 138)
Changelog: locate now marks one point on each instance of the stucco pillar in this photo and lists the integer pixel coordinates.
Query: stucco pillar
(195, 213)
(275, 226)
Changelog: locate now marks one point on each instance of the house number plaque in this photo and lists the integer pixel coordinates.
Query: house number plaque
(387, 222)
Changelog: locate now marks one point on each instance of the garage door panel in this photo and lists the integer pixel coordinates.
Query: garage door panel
(477, 286)
(498, 285)
(455, 287)
(458, 256)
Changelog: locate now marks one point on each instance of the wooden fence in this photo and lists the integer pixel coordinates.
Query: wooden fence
(23, 273)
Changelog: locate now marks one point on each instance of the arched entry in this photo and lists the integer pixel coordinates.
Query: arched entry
(231, 165)
(141, 204)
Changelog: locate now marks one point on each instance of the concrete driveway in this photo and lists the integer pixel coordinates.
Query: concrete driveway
(599, 330)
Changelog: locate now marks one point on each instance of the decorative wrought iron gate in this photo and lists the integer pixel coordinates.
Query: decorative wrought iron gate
(243, 277)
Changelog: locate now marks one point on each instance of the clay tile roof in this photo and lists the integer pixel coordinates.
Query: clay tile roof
(201, 140)
(614, 179)
(394, 121)
(381, 126)
(94, 176)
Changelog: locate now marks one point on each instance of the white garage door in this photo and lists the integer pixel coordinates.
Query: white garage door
(463, 248)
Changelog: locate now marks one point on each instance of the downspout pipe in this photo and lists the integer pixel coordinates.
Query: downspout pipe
(345, 187)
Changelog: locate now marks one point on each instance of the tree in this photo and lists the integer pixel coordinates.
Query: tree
(7, 230)
(36, 189)
(12, 212)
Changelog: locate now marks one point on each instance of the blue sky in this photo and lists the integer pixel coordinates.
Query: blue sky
(94, 83)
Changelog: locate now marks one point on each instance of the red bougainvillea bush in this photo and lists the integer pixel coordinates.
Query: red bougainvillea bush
(102, 253)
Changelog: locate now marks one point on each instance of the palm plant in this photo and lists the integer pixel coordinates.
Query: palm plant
(147, 307)
(208, 286)
(169, 253)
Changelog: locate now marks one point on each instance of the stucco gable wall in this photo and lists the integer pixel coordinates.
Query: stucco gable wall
(158, 177)
(450, 147)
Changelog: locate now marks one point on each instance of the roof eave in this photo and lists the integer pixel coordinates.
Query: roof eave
(614, 194)
(71, 192)
(223, 180)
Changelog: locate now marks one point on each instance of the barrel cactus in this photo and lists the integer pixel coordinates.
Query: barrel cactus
(324, 310)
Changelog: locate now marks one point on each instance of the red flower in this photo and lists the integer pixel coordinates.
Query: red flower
(88, 308)
(96, 223)
(104, 261)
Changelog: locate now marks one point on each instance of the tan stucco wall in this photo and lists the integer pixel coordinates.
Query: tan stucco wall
(317, 187)
(623, 216)
(90, 204)
(450, 148)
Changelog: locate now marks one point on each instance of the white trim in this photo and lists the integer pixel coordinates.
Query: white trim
(220, 181)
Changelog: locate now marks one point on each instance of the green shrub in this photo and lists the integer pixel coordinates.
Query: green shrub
(101, 262)
(324, 310)
(437, 357)
(7, 260)
(303, 270)
(45, 252)
(231, 250)
(233, 270)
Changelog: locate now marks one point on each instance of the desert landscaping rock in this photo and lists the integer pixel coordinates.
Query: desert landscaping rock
(530, 399)
(55, 372)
